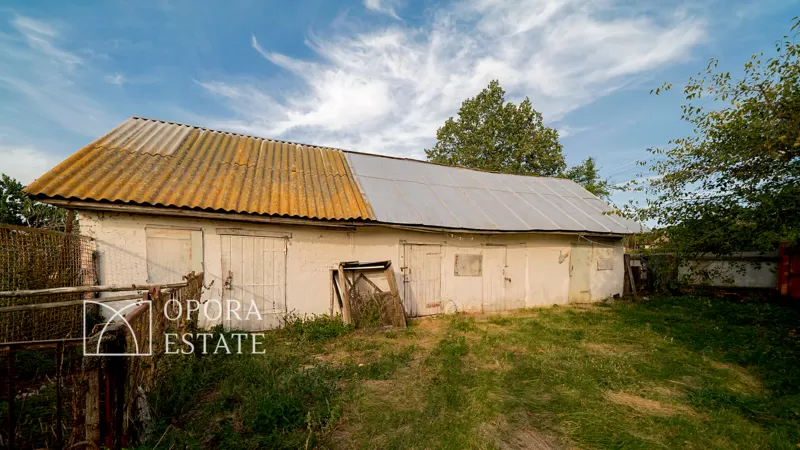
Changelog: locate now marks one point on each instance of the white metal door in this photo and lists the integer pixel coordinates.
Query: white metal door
(173, 253)
(494, 285)
(254, 274)
(580, 264)
(422, 279)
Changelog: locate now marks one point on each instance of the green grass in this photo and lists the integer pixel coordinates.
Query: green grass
(682, 372)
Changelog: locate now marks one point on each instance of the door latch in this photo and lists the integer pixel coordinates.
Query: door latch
(229, 281)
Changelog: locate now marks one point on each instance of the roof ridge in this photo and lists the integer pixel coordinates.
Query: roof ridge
(213, 130)
(378, 155)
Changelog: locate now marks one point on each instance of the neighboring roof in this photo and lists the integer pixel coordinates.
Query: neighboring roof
(412, 192)
(152, 162)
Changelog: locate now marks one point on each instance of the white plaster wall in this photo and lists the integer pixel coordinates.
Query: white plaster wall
(607, 283)
(534, 276)
(732, 274)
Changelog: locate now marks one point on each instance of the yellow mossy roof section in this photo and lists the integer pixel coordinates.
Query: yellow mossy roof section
(152, 162)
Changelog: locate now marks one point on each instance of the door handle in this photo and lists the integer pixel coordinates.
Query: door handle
(229, 281)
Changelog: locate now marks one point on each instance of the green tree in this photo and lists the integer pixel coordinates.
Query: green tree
(734, 184)
(12, 200)
(492, 134)
(587, 175)
(16, 208)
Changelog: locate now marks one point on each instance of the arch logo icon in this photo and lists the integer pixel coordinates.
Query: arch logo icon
(117, 317)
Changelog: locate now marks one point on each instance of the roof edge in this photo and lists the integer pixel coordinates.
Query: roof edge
(292, 220)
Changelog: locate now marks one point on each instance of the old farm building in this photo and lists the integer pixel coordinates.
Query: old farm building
(267, 219)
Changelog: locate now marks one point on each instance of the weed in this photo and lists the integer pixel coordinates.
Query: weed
(462, 322)
(673, 372)
(314, 328)
(500, 320)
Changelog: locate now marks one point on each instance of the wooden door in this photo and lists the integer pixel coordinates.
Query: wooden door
(494, 285)
(580, 265)
(422, 279)
(173, 253)
(254, 273)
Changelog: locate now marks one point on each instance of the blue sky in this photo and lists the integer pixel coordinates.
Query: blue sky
(376, 76)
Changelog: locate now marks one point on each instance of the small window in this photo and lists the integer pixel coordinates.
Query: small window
(468, 265)
(605, 264)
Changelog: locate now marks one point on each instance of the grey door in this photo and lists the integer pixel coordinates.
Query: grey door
(580, 264)
(422, 279)
(254, 270)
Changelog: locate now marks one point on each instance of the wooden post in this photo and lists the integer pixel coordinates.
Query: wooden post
(92, 408)
(12, 414)
(69, 220)
(346, 318)
(59, 393)
(120, 367)
(629, 272)
(400, 310)
(626, 283)
(332, 281)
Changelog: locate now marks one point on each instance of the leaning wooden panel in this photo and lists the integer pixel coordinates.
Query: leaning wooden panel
(400, 313)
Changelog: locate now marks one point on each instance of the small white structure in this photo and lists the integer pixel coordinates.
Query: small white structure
(266, 220)
(740, 270)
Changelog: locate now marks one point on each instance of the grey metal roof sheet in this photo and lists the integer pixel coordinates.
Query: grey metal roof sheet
(410, 192)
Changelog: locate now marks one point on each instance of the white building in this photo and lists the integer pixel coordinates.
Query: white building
(267, 219)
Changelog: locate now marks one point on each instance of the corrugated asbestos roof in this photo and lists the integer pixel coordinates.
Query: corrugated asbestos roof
(152, 162)
(410, 192)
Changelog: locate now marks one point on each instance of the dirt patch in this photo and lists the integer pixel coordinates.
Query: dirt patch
(510, 437)
(427, 332)
(744, 382)
(666, 391)
(401, 394)
(647, 406)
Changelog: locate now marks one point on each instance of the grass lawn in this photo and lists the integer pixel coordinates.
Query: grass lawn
(683, 372)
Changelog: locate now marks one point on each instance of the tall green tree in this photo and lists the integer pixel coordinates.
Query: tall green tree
(12, 200)
(587, 175)
(16, 208)
(492, 134)
(734, 184)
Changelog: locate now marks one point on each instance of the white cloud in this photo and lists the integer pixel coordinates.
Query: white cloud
(567, 130)
(35, 65)
(387, 90)
(387, 7)
(118, 79)
(25, 164)
(39, 36)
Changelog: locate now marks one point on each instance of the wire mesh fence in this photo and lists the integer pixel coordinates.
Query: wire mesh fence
(32, 258)
(54, 396)
(42, 382)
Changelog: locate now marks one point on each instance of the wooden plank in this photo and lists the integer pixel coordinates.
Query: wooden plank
(332, 281)
(337, 289)
(59, 394)
(82, 289)
(12, 414)
(346, 317)
(47, 343)
(37, 306)
(399, 309)
(628, 270)
(92, 407)
(374, 286)
(255, 233)
(626, 284)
